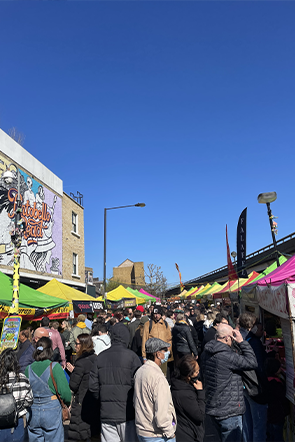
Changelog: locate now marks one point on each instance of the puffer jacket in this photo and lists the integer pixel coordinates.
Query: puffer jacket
(84, 415)
(112, 378)
(182, 339)
(223, 383)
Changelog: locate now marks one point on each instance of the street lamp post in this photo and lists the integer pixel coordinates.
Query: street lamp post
(267, 198)
(16, 236)
(105, 241)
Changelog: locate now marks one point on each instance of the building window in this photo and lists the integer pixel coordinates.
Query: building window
(75, 264)
(74, 222)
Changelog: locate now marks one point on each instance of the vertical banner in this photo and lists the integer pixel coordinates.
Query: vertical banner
(241, 245)
(181, 285)
(232, 276)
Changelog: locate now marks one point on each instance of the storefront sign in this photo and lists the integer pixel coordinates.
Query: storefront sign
(10, 332)
(82, 306)
(97, 306)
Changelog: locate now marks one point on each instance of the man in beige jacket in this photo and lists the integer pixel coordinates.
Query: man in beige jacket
(155, 416)
(156, 327)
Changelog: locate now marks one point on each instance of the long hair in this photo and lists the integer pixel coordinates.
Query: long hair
(8, 364)
(44, 349)
(186, 367)
(86, 344)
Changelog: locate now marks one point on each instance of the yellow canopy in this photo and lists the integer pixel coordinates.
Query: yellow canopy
(191, 290)
(215, 288)
(59, 290)
(196, 294)
(121, 293)
(195, 291)
(239, 283)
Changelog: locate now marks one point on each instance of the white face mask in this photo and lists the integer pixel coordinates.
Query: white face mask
(166, 357)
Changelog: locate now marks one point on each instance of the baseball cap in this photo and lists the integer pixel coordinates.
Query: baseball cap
(159, 310)
(140, 308)
(155, 344)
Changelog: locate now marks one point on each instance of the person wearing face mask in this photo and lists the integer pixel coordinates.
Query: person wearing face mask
(189, 400)
(156, 328)
(155, 416)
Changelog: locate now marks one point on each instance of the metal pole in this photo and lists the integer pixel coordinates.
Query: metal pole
(105, 254)
(16, 239)
(272, 233)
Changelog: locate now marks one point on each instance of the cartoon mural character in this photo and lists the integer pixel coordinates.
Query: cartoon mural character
(37, 242)
(6, 246)
(42, 254)
(40, 197)
(29, 194)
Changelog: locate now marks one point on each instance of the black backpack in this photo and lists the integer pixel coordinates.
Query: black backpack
(8, 414)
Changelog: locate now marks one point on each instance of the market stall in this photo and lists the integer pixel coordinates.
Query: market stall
(79, 302)
(33, 304)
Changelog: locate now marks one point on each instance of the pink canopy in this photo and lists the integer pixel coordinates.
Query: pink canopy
(284, 273)
(148, 294)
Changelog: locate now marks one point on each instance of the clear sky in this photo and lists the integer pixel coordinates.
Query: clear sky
(185, 106)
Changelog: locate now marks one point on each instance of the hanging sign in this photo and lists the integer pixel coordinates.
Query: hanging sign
(10, 332)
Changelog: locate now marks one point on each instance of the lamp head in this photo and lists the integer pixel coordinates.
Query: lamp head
(234, 254)
(267, 197)
(139, 205)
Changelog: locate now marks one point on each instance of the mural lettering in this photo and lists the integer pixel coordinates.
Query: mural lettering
(41, 247)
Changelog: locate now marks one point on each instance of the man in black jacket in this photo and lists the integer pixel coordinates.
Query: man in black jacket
(223, 383)
(111, 381)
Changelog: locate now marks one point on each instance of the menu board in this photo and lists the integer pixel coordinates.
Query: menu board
(10, 332)
(286, 329)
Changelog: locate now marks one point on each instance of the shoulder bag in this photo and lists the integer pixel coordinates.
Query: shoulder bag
(65, 410)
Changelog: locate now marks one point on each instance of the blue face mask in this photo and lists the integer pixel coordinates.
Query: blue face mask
(166, 357)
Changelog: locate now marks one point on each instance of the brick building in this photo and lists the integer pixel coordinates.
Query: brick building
(130, 273)
(53, 242)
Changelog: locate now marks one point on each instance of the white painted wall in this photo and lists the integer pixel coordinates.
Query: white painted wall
(24, 159)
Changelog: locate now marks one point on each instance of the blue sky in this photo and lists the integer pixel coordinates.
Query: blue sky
(185, 106)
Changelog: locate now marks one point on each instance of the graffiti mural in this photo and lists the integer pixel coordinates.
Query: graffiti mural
(41, 247)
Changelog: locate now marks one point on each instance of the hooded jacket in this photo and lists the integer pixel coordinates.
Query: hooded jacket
(221, 369)
(101, 343)
(112, 378)
(76, 331)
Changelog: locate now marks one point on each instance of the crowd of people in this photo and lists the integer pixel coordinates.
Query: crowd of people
(144, 375)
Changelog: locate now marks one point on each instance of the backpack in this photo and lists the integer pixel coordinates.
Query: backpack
(8, 415)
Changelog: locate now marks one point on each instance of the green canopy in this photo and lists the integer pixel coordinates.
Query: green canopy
(270, 269)
(141, 295)
(28, 297)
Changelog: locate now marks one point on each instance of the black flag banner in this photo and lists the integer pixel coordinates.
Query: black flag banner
(241, 245)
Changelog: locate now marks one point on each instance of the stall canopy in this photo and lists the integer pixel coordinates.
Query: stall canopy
(141, 295)
(213, 289)
(283, 274)
(33, 304)
(239, 283)
(270, 269)
(148, 294)
(200, 293)
(197, 289)
(121, 293)
(79, 301)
